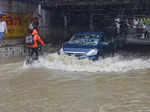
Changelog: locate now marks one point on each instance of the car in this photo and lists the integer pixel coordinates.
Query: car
(89, 45)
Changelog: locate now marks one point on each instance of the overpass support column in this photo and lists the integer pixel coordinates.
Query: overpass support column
(91, 25)
(65, 22)
(65, 27)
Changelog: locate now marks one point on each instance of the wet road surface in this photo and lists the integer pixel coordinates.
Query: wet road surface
(66, 85)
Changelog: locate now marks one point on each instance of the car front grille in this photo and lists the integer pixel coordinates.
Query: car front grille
(75, 54)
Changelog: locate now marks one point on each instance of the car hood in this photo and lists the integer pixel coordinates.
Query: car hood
(77, 48)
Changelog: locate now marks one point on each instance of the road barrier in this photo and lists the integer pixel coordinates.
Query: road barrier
(6, 52)
(20, 50)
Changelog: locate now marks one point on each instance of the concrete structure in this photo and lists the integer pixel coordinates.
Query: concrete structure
(59, 19)
(69, 16)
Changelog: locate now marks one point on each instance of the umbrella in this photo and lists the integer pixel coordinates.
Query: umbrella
(2, 13)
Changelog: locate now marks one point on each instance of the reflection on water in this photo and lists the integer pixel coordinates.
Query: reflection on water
(60, 84)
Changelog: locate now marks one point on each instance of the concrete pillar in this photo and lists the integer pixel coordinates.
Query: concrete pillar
(91, 25)
(65, 22)
(65, 26)
(39, 9)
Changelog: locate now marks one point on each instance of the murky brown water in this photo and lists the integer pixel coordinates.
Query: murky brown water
(45, 90)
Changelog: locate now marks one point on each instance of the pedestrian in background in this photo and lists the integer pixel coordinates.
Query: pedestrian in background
(117, 23)
(31, 26)
(147, 32)
(36, 23)
(3, 29)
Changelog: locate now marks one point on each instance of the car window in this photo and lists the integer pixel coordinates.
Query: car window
(85, 39)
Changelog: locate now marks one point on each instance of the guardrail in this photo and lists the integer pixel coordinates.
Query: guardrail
(6, 52)
(20, 50)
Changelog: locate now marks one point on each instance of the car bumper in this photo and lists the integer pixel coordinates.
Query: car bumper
(94, 57)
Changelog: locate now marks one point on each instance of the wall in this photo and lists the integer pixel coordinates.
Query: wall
(16, 6)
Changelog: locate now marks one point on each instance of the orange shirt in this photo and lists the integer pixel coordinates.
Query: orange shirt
(36, 39)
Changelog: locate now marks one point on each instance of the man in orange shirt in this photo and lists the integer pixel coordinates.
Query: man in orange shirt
(34, 47)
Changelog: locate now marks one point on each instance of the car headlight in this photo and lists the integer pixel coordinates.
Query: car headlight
(92, 52)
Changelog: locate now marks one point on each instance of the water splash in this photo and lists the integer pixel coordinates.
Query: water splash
(117, 63)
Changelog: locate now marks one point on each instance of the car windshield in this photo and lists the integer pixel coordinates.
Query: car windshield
(85, 39)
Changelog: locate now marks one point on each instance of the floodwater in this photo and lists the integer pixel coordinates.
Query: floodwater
(64, 84)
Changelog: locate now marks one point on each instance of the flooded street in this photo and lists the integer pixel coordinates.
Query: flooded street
(66, 34)
(63, 84)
